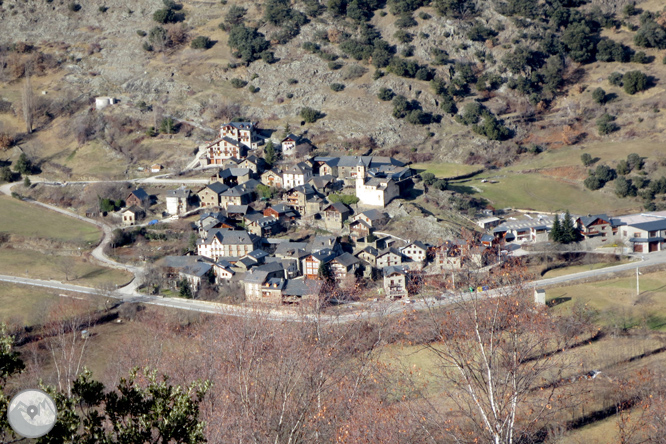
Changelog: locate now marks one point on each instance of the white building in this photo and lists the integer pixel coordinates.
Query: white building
(297, 175)
(177, 200)
(376, 191)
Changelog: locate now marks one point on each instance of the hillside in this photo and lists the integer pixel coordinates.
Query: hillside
(498, 57)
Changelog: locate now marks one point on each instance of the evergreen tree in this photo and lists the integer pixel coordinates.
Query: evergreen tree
(185, 289)
(269, 153)
(556, 231)
(569, 232)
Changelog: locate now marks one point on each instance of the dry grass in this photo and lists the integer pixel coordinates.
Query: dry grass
(27, 220)
(23, 304)
(445, 170)
(43, 266)
(579, 268)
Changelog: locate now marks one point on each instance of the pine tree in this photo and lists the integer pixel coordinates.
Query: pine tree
(556, 231)
(269, 153)
(568, 230)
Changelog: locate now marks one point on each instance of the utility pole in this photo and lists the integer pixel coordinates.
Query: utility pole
(638, 287)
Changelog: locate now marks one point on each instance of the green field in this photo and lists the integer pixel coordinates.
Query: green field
(615, 300)
(44, 266)
(543, 193)
(445, 170)
(24, 219)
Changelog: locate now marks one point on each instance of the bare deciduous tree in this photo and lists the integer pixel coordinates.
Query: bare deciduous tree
(67, 345)
(28, 103)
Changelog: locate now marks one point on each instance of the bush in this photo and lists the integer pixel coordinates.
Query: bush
(458, 9)
(168, 126)
(74, 7)
(407, 51)
(480, 33)
(292, 81)
(385, 94)
(651, 35)
(587, 159)
(290, 96)
(634, 81)
(151, 132)
(418, 117)
(492, 128)
(23, 165)
(406, 21)
(6, 174)
(428, 178)
(624, 187)
(235, 15)
(334, 65)
(103, 9)
(310, 115)
(606, 124)
(248, 43)
(141, 33)
(354, 72)
(378, 74)
(200, 42)
(611, 51)
(238, 83)
(165, 15)
(593, 183)
(599, 96)
(337, 87)
(424, 15)
(147, 46)
(253, 89)
(615, 78)
(403, 36)
(640, 57)
(311, 47)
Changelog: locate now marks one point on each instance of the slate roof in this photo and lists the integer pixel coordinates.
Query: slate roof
(306, 189)
(229, 237)
(650, 226)
(394, 269)
(180, 193)
(140, 193)
(241, 125)
(416, 243)
(274, 283)
(487, 238)
(217, 187)
(587, 220)
(339, 207)
(299, 168)
(299, 287)
(291, 249)
(347, 259)
(134, 209)
(237, 209)
(389, 250)
(321, 242)
(292, 137)
(192, 265)
(371, 250)
(326, 255)
(374, 214)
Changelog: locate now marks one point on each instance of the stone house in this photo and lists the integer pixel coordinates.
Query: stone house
(225, 243)
(272, 178)
(132, 215)
(415, 251)
(209, 196)
(395, 282)
(335, 215)
(297, 175)
(388, 258)
(177, 201)
(138, 198)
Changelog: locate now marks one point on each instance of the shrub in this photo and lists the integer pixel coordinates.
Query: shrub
(480, 33)
(354, 72)
(651, 35)
(406, 21)
(606, 124)
(403, 36)
(418, 117)
(492, 128)
(587, 159)
(238, 83)
(378, 74)
(311, 47)
(611, 51)
(337, 87)
(151, 132)
(253, 89)
(248, 43)
(407, 51)
(141, 33)
(168, 126)
(335, 65)
(290, 96)
(310, 115)
(103, 9)
(424, 15)
(292, 81)
(599, 96)
(458, 9)
(634, 81)
(385, 94)
(147, 46)
(165, 15)
(235, 15)
(74, 7)
(200, 42)
(640, 57)
(593, 183)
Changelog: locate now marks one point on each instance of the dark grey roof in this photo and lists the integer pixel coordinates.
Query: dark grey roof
(650, 226)
(270, 267)
(192, 265)
(347, 259)
(389, 250)
(374, 214)
(487, 238)
(339, 207)
(241, 125)
(237, 209)
(292, 137)
(258, 254)
(218, 215)
(247, 262)
(646, 239)
(255, 276)
(237, 172)
(299, 287)
(134, 209)
(223, 263)
(181, 192)
(299, 168)
(321, 242)
(587, 220)
(281, 208)
(274, 283)
(217, 187)
(393, 269)
(306, 189)
(361, 222)
(416, 243)
(140, 193)
(291, 249)
(229, 237)
(371, 250)
(326, 255)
